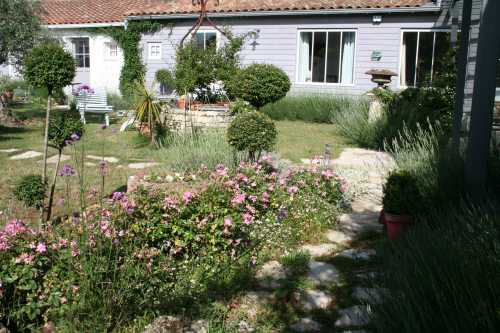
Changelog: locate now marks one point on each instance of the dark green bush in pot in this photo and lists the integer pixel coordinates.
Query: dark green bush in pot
(401, 194)
(252, 132)
(259, 84)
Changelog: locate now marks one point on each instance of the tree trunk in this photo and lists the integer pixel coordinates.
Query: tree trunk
(53, 188)
(46, 139)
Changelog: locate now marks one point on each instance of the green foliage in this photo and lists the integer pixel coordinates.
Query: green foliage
(401, 194)
(31, 190)
(164, 76)
(133, 69)
(259, 84)
(315, 108)
(252, 132)
(147, 109)
(19, 28)
(64, 125)
(444, 276)
(240, 106)
(119, 103)
(50, 66)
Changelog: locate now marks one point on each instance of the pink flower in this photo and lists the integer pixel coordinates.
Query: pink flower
(188, 196)
(253, 198)
(238, 199)
(247, 218)
(293, 190)
(171, 203)
(63, 242)
(344, 187)
(271, 188)
(74, 248)
(228, 222)
(221, 170)
(25, 258)
(242, 178)
(41, 248)
(327, 174)
(15, 227)
(282, 181)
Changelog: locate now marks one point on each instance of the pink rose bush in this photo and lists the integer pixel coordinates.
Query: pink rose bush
(204, 224)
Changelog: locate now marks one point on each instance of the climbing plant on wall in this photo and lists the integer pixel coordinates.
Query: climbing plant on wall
(128, 39)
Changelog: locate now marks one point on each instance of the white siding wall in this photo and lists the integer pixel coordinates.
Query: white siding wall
(277, 44)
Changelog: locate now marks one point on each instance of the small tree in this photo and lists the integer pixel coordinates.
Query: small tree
(51, 67)
(252, 132)
(259, 84)
(147, 109)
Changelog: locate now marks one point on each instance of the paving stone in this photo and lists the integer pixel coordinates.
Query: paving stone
(357, 315)
(311, 300)
(253, 302)
(366, 205)
(306, 325)
(355, 224)
(367, 295)
(9, 151)
(165, 324)
(90, 164)
(357, 157)
(338, 237)
(244, 327)
(269, 275)
(26, 155)
(142, 165)
(322, 273)
(53, 159)
(320, 250)
(357, 254)
(199, 326)
(109, 159)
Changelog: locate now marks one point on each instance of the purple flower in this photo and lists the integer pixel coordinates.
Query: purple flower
(104, 126)
(67, 171)
(117, 196)
(75, 137)
(83, 89)
(103, 168)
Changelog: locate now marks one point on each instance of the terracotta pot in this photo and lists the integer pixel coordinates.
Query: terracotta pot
(381, 217)
(397, 224)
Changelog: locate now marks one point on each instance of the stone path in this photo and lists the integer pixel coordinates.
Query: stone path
(26, 155)
(109, 159)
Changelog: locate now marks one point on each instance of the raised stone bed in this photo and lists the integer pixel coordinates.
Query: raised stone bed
(207, 116)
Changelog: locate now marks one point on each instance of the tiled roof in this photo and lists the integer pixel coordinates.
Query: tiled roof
(108, 11)
(233, 6)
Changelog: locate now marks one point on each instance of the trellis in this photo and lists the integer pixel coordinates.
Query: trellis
(203, 16)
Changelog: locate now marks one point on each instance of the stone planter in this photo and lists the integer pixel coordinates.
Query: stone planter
(382, 77)
(205, 117)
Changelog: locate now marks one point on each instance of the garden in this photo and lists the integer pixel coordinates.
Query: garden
(306, 213)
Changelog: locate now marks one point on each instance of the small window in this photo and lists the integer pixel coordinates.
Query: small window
(154, 52)
(424, 55)
(81, 51)
(206, 39)
(326, 56)
(111, 50)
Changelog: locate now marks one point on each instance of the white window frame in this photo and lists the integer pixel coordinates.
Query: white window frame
(328, 83)
(73, 46)
(400, 85)
(109, 46)
(150, 49)
(205, 31)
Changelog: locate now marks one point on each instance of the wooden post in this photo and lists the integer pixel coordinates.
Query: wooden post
(461, 75)
(478, 149)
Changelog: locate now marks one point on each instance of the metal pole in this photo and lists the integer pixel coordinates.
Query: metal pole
(478, 149)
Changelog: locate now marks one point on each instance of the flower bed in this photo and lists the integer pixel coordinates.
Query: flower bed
(166, 244)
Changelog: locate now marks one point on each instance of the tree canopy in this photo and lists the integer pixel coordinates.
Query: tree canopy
(19, 28)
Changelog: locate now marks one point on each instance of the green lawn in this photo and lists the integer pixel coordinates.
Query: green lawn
(296, 140)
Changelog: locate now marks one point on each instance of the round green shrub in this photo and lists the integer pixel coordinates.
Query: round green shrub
(31, 190)
(164, 76)
(240, 106)
(259, 84)
(401, 194)
(50, 66)
(253, 132)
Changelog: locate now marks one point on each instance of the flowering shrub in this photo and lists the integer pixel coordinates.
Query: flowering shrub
(159, 244)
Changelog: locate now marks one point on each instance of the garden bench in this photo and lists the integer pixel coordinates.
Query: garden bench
(96, 103)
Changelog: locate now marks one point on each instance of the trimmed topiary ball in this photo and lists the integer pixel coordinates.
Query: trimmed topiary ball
(253, 132)
(259, 84)
(31, 190)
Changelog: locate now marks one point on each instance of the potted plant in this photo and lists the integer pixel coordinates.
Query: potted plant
(401, 196)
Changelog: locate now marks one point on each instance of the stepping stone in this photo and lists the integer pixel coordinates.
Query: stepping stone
(306, 325)
(199, 326)
(357, 254)
(357, 315)
(338, 237)
(53, 159)
(358, 223)
(90, 164)
(109, 159)
(322, 273)
(365, 205)
(253, 302)
(9, 151)
(142, 165)
(269, 275)
(370, 159)
(320, 250)
(367, 295)
(311, 300)
(165, 324)
(26, 155)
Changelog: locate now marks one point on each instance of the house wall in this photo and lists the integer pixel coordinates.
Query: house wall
(277, 44)
(104, 72)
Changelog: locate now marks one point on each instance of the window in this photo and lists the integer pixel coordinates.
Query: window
(423, 55)
(111, 50)
(326, 56)
(154, 52)
(81, 52)
(206, 39)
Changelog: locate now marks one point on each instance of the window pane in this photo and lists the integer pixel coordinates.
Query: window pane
(424, 63)
(200, 40)
(87, 61)
(408, 57)
(318, 70)
(305, 51)
(333, 55)
(441, 54)
(348, 49)
(498, 73)
(79, 61)
(211, 40)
